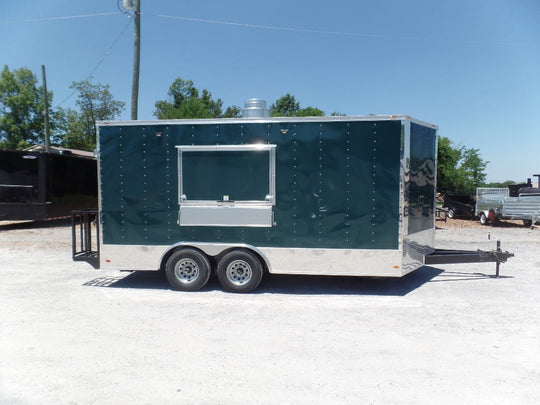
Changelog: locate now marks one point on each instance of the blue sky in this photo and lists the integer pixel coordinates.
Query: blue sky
(472, 67)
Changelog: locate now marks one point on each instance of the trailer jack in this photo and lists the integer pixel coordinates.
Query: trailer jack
(444, 256)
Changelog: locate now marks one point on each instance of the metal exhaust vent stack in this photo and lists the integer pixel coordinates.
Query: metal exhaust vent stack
(255, 108)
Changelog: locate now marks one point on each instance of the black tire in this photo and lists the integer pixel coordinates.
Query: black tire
(484, 219)
(239, 271)
(188, 270)
(528, 223)
(451, 213)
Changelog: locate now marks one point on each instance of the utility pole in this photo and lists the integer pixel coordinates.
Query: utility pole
(136, 60)
(46, 111)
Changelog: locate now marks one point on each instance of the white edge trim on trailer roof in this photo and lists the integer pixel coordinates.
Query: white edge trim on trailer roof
(347, 118)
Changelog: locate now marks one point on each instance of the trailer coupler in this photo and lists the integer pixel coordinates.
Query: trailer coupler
(444, 256)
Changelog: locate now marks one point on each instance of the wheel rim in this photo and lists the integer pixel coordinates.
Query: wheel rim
(186, 271)
(239, 272)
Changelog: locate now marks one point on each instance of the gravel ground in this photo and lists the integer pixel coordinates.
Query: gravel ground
(446, 335)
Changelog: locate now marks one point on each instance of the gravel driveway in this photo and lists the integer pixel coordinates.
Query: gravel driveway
(441, 335)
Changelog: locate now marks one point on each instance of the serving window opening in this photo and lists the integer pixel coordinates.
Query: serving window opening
(226, 185)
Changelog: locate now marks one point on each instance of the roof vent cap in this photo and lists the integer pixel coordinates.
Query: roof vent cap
(255, 108)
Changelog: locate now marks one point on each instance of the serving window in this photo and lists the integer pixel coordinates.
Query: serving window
(226, 185)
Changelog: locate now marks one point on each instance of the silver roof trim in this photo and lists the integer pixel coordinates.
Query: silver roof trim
(206, 121)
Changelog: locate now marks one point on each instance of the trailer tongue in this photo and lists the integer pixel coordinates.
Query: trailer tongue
(445, 256)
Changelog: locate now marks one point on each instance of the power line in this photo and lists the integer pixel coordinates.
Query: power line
(69, 17)
(107, 53)
(265, 27)
(345, 33)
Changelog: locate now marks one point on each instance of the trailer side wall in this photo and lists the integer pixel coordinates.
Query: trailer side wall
(337, 184)
(343, 192)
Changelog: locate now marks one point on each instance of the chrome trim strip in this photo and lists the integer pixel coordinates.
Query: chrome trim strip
(252, 147)
(346, 118)
(416, 246)
(405, 179)
(330, 262)
(336, 262)
(214, 249)
(149, 258)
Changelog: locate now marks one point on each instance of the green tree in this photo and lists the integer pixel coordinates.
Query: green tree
(186, 101)
(447, 162)
(503, 184)
(232, 112)
(287, 106)
(472, 169)
(21, 107)
(95, 103)
(459, 169)
(310, 112)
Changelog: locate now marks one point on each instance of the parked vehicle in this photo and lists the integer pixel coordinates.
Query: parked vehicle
(522, 203)
(350, 196)
(459, 205)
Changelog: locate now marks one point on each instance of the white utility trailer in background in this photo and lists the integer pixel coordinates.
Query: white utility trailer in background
(493, 204)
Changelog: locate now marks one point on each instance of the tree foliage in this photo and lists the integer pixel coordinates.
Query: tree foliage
(287, 106)
(310, 112)
(22, 106)
(459, 169)
(95, 103)
(21, 109)
(503, 184)
(186, 101)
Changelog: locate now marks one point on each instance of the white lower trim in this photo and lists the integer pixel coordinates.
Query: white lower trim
(331, 262)
(335, 262)
(131, 257)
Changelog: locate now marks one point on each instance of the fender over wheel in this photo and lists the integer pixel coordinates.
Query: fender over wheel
(484, 219)
(239, 271)
(188, 270)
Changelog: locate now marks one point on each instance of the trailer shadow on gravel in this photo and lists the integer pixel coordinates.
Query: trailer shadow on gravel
(448, 276)
(295, 284)
(339, 285)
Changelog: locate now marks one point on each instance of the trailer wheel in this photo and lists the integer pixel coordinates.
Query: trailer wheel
(484, 219)
(451, 213)
(239, 271)
(528, 223)
(188, 270)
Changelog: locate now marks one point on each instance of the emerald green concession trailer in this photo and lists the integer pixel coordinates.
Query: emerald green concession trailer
(346, 196)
